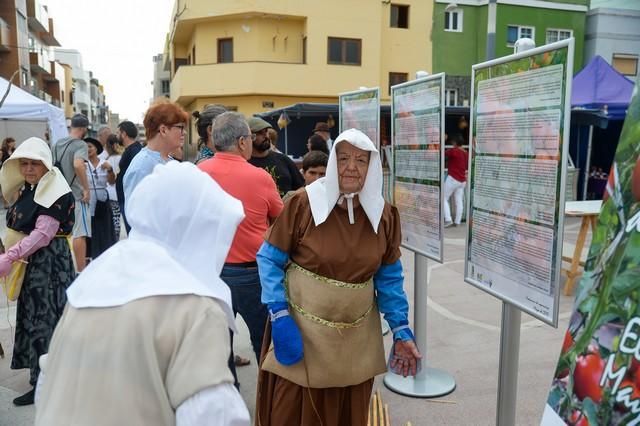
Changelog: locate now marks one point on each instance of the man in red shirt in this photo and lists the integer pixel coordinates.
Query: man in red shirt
(457, 163)
(257, 191)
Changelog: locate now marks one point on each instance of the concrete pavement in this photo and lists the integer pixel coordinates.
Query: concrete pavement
(463, 339)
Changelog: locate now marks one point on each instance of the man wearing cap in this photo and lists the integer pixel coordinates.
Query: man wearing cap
(71, 154)
(281, 168)
(127, 134)
(322, 129)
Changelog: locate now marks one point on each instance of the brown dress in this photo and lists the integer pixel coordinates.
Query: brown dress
(335, 249)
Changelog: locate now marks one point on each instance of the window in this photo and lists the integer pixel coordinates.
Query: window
(397, 78)
(451, 97)
(193, 55)
(399, 16)
(178, 62)
(304, 50)
(344, 51)
(165, 86)
(453, 20)
(625, 64)
(554, 35)
(516, 32)
(62, 96)
(225, 50)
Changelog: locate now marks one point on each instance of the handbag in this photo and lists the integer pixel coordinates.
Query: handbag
(12, 284)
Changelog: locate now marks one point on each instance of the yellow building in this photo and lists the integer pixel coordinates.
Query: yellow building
(257, 55)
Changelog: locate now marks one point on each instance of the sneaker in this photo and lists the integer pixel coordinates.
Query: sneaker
(448, 224)
(240, 361)
(26, 399)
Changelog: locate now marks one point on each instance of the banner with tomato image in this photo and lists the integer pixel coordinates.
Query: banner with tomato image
(597, 379)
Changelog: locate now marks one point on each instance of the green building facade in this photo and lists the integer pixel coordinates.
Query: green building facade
(459, 34)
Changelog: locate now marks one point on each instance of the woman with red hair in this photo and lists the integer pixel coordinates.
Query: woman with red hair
(165, 124)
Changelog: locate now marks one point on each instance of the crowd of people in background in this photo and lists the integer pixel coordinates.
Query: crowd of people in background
(206, 243)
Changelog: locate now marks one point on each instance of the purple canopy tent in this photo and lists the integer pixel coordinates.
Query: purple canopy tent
(600, 86)
(602, 89)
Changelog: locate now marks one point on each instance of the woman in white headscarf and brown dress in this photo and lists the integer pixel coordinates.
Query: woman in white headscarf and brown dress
(38, 224)
(329, 265)
(144, 339)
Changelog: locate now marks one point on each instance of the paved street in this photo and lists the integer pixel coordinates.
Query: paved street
(464, 332)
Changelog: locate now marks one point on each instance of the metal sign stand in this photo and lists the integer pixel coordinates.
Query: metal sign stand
(430, 382)
(508, 376)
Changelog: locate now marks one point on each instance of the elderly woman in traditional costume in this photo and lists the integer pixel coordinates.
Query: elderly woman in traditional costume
(38, 225)
(144, 339)
(330, 263)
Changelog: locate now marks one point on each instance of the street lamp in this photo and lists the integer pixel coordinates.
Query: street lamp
(491, 29)
(523, 44)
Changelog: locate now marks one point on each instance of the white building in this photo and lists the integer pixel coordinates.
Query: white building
(613, 32)
(161, 78)
(81, 81)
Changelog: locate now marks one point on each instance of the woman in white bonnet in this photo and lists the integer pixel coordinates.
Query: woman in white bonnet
(145, 336)
(330, 263)
(38, 225)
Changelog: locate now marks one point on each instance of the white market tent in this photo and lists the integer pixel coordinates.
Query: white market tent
(24, 115)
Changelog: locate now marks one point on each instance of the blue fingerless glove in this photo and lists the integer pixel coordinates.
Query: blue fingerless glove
(287, 340)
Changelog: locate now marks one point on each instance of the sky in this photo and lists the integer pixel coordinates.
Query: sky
(117, 40)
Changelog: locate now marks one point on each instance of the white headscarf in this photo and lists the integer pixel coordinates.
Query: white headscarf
(182, 224)
(325, 192)
(51, 186)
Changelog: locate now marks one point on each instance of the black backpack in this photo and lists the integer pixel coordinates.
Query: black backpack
(58, 164)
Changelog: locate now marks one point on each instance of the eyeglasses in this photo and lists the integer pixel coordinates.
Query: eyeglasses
(179, 126)
(252, 136)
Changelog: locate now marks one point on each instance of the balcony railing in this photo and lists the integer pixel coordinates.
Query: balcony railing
(244, 78)
(40, 62)
(38, 17)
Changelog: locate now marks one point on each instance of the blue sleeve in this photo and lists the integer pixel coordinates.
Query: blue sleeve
(271, 262)
(129, 181)
(392, 300)
(138, 170)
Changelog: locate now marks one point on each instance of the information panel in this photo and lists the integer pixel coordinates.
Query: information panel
(520, 123)
(417, 130)
(361, 110)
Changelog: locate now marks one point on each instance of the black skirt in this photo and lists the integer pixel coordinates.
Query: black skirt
(41, 303)
(102, 233)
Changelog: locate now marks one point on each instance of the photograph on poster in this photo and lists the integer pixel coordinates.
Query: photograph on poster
(516, 171)
(417, 111)
(361, 110)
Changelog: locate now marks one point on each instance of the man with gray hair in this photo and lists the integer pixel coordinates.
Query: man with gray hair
(257, 191)
(103, 134)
